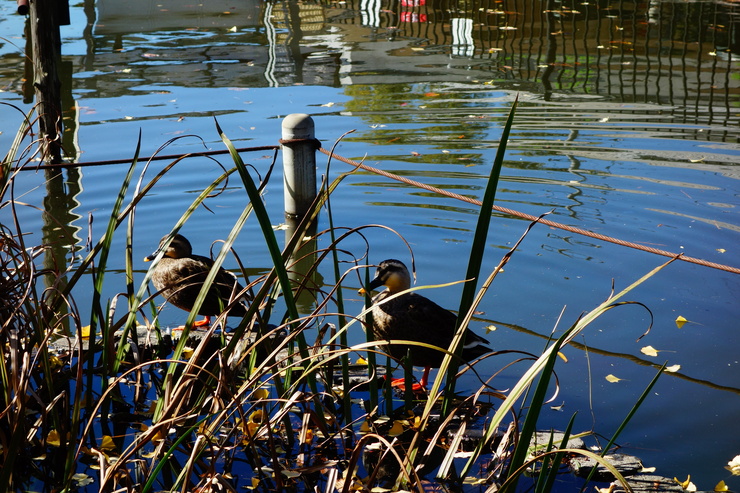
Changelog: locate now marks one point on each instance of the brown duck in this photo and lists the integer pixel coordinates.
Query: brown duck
(179, 275)
(413, 317)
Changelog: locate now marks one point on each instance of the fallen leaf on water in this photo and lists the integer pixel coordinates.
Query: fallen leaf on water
(490, 328)
(558, 408)
(611, 378)
(261, 393)
(686, 485)
(431, 94)
(680, 321)
(721, 486)
(328, 105)
(721, 250)
(396, 429)
(107, 443)
(673, 368)
(232, 29)
(53, 439)
(606, 490)
(361, 361)
(649, 350)
(734, 466)
(562, 356)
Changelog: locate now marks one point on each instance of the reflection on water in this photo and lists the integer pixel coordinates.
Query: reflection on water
(628, 124)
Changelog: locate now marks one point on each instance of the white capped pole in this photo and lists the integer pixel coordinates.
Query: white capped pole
(299, 163)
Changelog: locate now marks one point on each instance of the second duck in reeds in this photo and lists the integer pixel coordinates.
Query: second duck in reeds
(180, 275)
(413, 317)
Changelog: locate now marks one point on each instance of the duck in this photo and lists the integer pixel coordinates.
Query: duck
(413, 317)
(180, 274)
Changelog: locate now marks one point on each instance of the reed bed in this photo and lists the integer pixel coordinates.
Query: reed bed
(116, 403)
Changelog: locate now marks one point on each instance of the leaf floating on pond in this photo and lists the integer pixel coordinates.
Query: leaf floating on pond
(611, 378)
(686, 485)
(53, 439)
(734, 466)
(649, 350)
(680, 321)
(721, 486)
(107, 443)
(672, 369)
(606, 490)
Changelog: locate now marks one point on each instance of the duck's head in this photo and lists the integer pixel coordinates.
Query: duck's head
(392, 274)
(179, 247)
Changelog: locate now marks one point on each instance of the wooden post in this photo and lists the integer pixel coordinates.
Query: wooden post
(299, 163)
(46, 52)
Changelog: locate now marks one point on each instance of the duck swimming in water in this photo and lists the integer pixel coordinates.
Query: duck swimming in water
(413, 317)
(180, 275)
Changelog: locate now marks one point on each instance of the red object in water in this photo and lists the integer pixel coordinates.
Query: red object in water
(413, 17)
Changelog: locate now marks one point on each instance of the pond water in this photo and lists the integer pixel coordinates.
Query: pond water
(628, 125)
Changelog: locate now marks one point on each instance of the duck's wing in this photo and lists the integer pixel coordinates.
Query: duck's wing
(441, 321)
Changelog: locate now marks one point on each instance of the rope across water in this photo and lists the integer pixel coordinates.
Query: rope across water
(530, 217)
(504, 210)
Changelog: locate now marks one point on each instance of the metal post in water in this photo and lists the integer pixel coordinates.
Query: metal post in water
(299, 163)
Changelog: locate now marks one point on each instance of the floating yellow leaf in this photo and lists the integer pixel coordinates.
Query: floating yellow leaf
(490, 328)
(187, 352)
(721, 250)
(673, 368)
(261, 393)
(734, 466)
(55, 362)
(257, 417)
(606, 490)
(649, 350)
(308, 438)
(53, 439)
(159, 435)
(85, 331)
(686, 485)
(721, 486)
(396, 429)
(107, 443)
(611, 378)
(680, 321)
(232, 29)
(562, 356)
(361, 361)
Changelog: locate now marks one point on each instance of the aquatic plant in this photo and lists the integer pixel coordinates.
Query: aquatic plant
(119, 403)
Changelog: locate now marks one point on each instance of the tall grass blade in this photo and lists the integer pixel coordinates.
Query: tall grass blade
(526, 380)
(477, 251)
(275, 254)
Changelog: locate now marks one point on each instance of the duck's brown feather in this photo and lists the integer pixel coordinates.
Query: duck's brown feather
(413, 317)
(181, 278)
